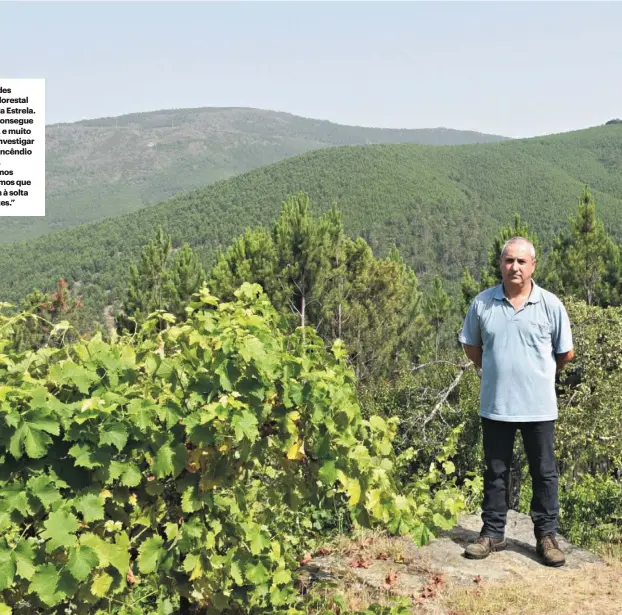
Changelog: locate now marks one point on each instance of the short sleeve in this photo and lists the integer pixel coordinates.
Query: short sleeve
(562, 333)
(471, 334)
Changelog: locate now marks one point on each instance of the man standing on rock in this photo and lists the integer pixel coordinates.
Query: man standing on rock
(518, 334)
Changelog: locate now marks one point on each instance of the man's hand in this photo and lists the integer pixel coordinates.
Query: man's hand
(474, 353)
(564, 358)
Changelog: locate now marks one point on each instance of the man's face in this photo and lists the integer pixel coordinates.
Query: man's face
(517, 266)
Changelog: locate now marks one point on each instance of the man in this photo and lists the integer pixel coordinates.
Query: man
(518, 334)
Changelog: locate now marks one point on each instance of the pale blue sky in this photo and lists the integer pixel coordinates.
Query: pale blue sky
(517, 69)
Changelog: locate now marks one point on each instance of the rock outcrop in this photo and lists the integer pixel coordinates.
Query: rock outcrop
(416, 571)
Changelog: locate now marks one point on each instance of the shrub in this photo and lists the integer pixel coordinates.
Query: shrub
(181, 464)
(591, 510)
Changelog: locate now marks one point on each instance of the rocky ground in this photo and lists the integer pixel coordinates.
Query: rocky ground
(441, 581)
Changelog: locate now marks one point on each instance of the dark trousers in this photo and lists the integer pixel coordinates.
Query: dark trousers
(498, 446)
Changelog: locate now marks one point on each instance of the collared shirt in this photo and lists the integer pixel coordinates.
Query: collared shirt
(519, 348)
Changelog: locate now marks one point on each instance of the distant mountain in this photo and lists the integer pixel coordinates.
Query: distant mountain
(441, 206)
(105, 167)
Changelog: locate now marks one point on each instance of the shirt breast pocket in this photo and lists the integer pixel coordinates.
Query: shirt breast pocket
(536, 334)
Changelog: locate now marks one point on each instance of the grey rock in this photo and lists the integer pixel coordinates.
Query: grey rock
(443, 560)
(446, 552)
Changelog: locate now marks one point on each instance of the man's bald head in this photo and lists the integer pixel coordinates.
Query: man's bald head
(519, 241)
(517, 264)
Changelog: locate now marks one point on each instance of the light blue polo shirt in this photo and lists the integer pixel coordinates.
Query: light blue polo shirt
(518, 358)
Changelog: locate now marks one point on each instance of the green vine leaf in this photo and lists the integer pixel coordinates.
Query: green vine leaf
(101, 584)
(81, 561)
(59, 530)
(44, 583)
(91, 507)
(115, 435)
(150, 553)
(24, 554)
(7, 569)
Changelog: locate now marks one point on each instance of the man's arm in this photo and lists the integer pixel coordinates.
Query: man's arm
(474, 353)
(562, 340)
(471, 336)
(563, 358)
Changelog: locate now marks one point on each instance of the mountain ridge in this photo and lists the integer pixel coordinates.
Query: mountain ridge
(106, 119)
(103, 167)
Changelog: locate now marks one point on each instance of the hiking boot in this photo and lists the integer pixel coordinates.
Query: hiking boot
(550, 553)
(484, 546)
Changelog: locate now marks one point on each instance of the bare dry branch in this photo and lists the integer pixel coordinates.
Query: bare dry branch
(446, 393)
(418, 367)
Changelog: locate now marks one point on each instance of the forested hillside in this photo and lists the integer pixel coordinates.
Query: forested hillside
(440, 206)
(104, 167)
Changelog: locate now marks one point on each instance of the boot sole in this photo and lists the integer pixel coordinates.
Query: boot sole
(554, 564)
(550, 564)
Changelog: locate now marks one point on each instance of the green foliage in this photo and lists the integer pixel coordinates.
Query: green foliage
(437, 306)
(251, 256)
(469, 288)
(303, 253)
(438, 498)
(185, 279)
(590, 407)
(148, 280)
(591, 510)
(329, 605)
(584, 261)
(432, 400)
(180, 463)
(44, 319)
(316, 276)
(160, 282)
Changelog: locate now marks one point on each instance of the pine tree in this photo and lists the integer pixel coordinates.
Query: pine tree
(587, 250)
(149, 278)
(469, 289)
(302, 247)
(437, 307)
(584, 261)
(299, 263)
(382, 327)
(185, 278)
(337, 288)
(160, 281)
(412, 328)
(610, 291)
(250, 258)
(316, 276)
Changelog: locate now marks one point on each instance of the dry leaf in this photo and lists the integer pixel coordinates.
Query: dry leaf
(427, 592)
(361, 562)
(390, 580)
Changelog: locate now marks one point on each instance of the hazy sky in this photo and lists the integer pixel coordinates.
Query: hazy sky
(517, 69)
